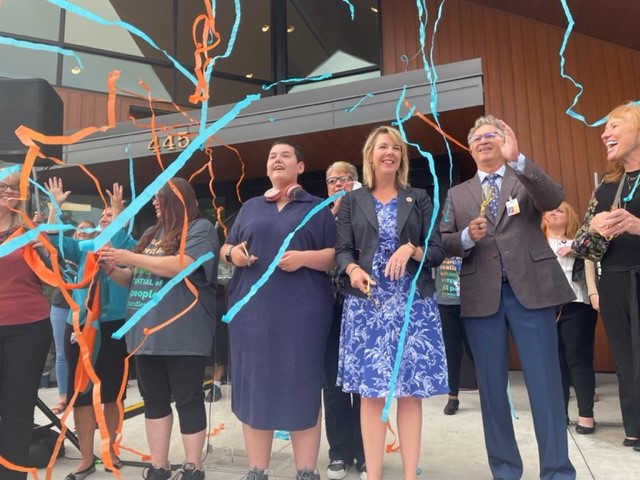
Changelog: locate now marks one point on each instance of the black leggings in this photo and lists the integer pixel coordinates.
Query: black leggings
(23, 351)
(163, 378)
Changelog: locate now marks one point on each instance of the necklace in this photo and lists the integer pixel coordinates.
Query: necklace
(6, 234)
(632, 189)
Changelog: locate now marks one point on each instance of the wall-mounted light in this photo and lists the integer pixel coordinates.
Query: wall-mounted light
(290, 28)
(265, 28)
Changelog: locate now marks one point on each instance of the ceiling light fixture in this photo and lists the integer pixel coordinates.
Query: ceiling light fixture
(290, 28)
(76, 70)
(265, 28)
(249, 75)
(374, 9)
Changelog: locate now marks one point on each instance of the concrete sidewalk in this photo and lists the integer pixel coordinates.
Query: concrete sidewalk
(452, 446)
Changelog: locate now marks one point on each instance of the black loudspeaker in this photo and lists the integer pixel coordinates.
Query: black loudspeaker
(32, 103)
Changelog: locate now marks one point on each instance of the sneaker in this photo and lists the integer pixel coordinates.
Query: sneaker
(153, 473)
(214, 394)
(189, 472)
(363, 472)
(254, 474)
(306, 474)
(337, 470)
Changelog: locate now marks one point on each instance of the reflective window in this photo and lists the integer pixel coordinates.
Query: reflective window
(96, 68)
(31, 18)
(24, 63)
(322, 38)
(153, 17)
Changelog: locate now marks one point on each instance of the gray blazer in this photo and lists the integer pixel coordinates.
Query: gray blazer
(531, 266)
(357, 233)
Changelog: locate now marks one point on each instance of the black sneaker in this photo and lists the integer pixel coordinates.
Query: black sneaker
(189, 472)
(214, 394)
(153, 473)
(254, 474)
(337, 470)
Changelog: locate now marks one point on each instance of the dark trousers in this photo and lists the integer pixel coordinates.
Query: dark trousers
(534, 334)
(616, 303)
(23, 351)
(163, 378)
(576, 336)
(341, 410)
(455, 344)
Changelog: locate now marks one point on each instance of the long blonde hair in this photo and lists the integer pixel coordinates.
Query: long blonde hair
(615, 170)
(17, 216)
(402, 175)
(573, 222)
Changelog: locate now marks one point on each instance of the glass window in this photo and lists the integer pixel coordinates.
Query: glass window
(153, 17)
(322, 38)
(96, 68)
(19, 63)
(223, 91)
(251, 53)
(18, 17)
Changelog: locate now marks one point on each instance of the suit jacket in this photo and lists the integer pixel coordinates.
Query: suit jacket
(531, 266)
(357, 233)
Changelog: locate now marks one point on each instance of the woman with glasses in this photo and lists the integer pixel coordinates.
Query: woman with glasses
(25, 331)
(382, 230)
(341, 410)
(170, 360)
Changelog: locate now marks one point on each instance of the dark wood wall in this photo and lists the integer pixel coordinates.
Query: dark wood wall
(523, 85)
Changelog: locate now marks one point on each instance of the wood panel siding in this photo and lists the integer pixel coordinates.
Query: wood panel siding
(89, 109)
(523, 85)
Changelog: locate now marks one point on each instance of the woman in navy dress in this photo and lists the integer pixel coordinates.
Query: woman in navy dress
(381, 232)
(279, 337)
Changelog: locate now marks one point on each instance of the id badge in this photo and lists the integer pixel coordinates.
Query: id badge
(512, 207)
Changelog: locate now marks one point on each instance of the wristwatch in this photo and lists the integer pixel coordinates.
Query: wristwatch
(227, 255)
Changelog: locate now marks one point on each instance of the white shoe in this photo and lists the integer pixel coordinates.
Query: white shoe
(337, 470)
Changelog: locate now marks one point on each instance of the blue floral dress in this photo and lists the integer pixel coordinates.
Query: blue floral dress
(371, 330)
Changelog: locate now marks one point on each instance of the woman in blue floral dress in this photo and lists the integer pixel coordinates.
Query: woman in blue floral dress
(381, 232)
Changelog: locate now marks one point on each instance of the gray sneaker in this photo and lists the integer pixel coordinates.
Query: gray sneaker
(254, 474)
(306, 474)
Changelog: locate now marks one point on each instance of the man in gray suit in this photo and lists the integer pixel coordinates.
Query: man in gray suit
(510, 281)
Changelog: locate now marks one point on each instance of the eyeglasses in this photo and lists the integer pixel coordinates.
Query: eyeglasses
(487, 136)
(5, 186)
(341, 179)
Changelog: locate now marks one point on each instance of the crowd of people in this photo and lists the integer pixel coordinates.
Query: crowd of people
(399, 293)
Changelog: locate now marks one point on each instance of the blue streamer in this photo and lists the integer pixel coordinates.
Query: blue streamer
(5, 172)
(231, 313)
(147, 194)
(565, 40)
(159, 295)
(414, 280)
(351, 9)
(72, 8)
(317, 78)
(40, 46)
(357, 104)
(512, 407)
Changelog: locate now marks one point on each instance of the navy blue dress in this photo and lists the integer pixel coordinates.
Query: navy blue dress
(279, 337)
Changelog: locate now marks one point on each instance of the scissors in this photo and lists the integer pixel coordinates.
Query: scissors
(367, 291)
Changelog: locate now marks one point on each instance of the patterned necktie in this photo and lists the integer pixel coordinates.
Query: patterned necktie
(491, 182)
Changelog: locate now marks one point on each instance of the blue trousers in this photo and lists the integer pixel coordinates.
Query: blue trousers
(535, 336)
